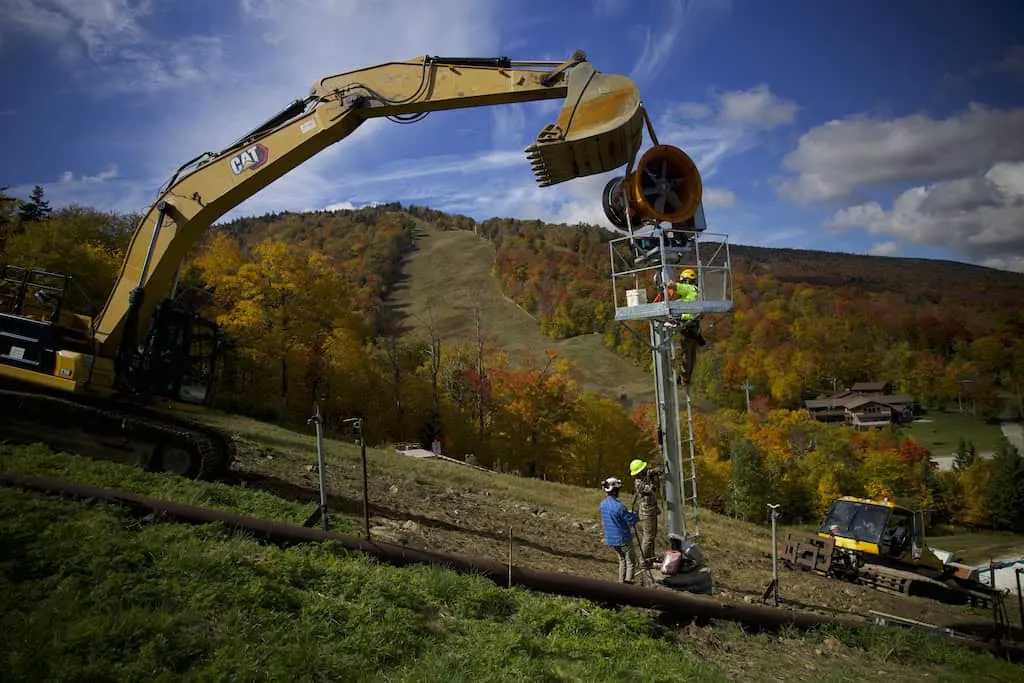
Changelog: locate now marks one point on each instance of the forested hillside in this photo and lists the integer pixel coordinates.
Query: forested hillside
(305, 300)
(803, 320)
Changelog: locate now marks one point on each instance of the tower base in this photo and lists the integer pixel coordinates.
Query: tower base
(698, 581)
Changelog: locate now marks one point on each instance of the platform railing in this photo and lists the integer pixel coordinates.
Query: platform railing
(640, 264)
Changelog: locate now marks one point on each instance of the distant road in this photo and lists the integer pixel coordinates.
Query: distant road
(1014, 432)
(944, 463)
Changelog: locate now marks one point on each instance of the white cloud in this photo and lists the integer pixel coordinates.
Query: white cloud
(730, 126)
(716, 136)
(835, 159)
(104, 190)
(887, 248)
(687, 18)
(693, 110)
(68, 178)
(1011, 66)
(757, 107)
(980, 218)
(716, 198)
(97, 27)
(758, 236)
(291, 44)
(278, 49)
(345, 206)
(107, 47)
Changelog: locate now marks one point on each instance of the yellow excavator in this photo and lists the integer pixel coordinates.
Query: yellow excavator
(114, 385)
(881, 544)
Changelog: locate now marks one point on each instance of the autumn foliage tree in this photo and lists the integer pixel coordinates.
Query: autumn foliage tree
(283, 304)
(304, 299)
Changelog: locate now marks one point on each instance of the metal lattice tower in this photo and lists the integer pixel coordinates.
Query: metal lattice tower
(648, 258)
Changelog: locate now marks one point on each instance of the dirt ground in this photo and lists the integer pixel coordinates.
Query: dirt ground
(470, 520)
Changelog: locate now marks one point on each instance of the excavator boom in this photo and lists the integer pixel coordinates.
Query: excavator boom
(96, 385)
(599, 128)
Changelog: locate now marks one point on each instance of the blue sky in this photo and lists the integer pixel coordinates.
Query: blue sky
(869, 127)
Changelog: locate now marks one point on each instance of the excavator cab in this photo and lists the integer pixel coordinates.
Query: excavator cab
(879, 529)
(34, 319)
(178, 355)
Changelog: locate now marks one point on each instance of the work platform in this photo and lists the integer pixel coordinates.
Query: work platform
(643, 262)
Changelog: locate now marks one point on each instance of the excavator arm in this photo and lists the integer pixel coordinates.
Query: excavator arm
(599, 128)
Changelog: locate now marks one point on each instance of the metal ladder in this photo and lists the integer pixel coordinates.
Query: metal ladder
(688, 474)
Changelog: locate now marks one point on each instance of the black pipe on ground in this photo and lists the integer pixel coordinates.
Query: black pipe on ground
(679, 604)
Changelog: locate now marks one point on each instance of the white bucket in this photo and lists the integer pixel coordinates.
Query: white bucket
(636, 297)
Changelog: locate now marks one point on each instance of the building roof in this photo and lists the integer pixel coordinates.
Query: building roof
(870, 386)
(825, 403)
(861, 401)
(853, 401)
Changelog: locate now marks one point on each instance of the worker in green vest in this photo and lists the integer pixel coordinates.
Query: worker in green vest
(690, 337)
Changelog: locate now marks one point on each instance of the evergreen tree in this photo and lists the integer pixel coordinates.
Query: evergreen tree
(1006, 488)
(965, 455)
(9, 225)
(36, 208)
(749, 481)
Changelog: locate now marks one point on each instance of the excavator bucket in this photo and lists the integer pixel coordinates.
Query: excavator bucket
(599, 129)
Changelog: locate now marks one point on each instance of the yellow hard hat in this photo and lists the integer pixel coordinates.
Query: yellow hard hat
(636, 467)
(688, 274)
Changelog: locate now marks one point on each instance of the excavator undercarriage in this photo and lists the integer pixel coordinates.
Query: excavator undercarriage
(121, 432)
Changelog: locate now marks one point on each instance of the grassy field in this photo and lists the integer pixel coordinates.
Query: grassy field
(88, 592)
(943, 433)
(977, 547)
(450, 275)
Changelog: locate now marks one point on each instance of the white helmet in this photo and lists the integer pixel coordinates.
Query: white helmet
(611, 484)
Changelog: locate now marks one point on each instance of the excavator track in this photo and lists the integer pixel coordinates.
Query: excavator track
(909, 583)
(814, 553)
(119, 432)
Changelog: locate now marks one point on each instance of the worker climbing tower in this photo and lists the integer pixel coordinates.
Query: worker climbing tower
(659, 208)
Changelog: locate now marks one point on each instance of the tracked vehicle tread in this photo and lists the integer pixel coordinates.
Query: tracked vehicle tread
(49, 413)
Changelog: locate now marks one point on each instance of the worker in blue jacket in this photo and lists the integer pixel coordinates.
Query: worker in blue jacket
(617, 521)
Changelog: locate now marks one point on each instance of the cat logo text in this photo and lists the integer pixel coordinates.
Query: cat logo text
(249, 159)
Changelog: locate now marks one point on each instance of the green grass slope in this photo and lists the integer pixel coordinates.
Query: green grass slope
(449, 276)
(88, 592)
(91, 595)
(455, 509)
(941, 431)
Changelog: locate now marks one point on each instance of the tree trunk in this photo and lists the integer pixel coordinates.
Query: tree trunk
(481, 378)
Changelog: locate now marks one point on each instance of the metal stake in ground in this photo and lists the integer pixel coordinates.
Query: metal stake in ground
(1020, 596)
(773, 587)
(321, 512)
(510, 557)
(357, 423)
(645, 562)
